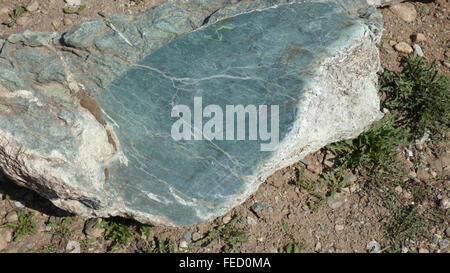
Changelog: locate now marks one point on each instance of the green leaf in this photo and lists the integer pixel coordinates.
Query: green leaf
(76, 11)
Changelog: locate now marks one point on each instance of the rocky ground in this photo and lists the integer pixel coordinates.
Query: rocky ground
(308, 207)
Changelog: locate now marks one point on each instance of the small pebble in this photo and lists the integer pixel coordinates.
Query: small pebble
(339, 227)
(444, 203)
(226, 219)
(11, 217)
(187, 236)
(4, 11)
(6, 236)
(336, 201)
(258, 207)
(329, 163)
(196, 236)
(318, 247)
(73, 247)
(443, 243)
(373, 247)
(407, 195)
(67, 21)
(403, 48)
(405, 11)
(423, 250)
(419, 37)
(354, 188)
(251, 221)
(412, 174)
(184, 245)
(19, 204)
(418, 50)
(73, 2)
(33, 6)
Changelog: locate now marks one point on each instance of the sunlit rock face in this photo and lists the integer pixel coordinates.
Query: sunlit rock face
(113, 118)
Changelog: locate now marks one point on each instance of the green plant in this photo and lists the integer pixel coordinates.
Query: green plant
(373, 149)
(292, 246)
(51, 248)
(406, 224)
(303, 183)
(24, 226)
(117, 232)
(162, 246)
(228, 233)
(74, 11)
(328, 185)
(17, 12)
(62, 229)
(419, 95)
(146, 230)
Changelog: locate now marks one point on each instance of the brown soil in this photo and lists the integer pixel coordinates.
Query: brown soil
(345, 223)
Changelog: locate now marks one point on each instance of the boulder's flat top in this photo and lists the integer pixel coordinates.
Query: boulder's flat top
(259, 58)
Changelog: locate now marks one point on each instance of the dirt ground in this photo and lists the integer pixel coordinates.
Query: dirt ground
(278, 214)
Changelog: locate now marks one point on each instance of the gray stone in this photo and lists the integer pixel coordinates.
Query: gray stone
(6, 236)
(196, 236)
(406, 11)
(418, 50)
(187, 236)
(443, 243)
(373, 247)
(11, 217)
(423, 250)
(183, 245)
(336, 201)
(339, 227)
(19, 204)
(73, 247)
(251, 221)
(226, 219)
(403, 48)
(258, 207)
(444, 203)
(73, 2)
(33, 6)
(419, 37)
(85, 117)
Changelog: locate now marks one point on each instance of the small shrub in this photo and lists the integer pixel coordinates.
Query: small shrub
(228, 233)
(419, 94)
(117, 232)
(24, 226)
(406, 224)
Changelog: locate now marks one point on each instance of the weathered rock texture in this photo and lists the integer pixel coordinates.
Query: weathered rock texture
(85, 115)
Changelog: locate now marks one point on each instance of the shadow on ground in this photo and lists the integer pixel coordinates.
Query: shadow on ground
(28, 198)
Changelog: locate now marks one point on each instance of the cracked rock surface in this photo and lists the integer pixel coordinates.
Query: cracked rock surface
(85, 116)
